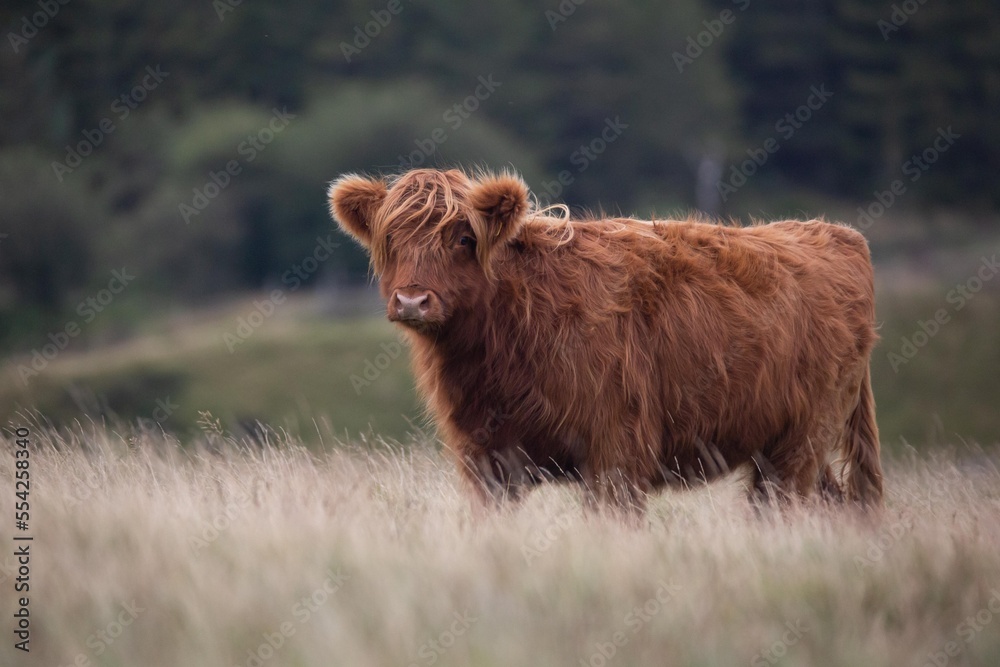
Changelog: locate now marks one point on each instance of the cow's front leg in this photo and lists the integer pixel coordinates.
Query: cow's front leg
(497, 476)
(620, 465)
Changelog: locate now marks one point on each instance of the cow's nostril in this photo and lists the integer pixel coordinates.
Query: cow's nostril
(412, 307)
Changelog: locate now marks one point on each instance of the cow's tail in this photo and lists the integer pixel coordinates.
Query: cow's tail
(864, 480)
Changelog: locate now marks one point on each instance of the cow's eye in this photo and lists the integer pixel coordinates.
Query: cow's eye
(467, 241)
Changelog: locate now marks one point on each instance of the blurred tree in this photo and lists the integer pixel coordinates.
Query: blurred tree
(45, 248)
(779, 52)
(566, 73)
(910, 70)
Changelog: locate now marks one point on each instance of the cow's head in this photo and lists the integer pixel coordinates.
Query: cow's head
(433, 237)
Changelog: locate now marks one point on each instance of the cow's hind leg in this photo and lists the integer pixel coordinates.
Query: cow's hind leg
(790, 470)
(830, 490)
(796, 467)
(768, 486)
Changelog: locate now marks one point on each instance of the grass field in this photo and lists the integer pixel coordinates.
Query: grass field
(237, 552)
(300, 364)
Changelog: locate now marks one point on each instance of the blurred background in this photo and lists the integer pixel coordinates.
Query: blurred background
(166, 254)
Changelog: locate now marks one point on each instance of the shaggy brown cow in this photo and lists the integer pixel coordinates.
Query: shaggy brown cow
(622, 353)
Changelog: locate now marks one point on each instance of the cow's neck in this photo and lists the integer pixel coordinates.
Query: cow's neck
(481, 347)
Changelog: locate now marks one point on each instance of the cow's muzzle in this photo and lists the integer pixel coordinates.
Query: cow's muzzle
(412, 305)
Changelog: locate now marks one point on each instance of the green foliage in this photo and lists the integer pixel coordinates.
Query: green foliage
(948, 390)
(45, 246)
(295, 368)
(898, 71)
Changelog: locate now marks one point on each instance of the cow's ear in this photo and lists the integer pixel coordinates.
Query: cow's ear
(353, 202)
(502, 202)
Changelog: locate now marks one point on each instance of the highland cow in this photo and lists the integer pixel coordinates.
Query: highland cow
(625, 354)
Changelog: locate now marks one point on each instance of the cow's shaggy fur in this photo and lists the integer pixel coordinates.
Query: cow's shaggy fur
(626, 354)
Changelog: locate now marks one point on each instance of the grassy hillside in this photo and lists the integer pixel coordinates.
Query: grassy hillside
(228, 553)
(949, 389)
(297, 366)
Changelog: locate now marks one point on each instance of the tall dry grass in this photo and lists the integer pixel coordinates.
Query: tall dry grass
(228, 552)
